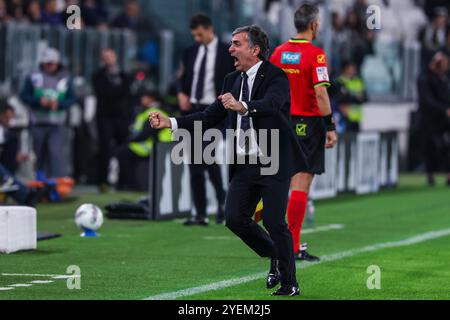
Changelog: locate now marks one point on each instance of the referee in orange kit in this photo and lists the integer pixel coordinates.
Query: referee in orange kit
(306, 68)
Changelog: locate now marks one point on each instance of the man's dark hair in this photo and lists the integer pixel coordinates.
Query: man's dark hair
(200, 20)
(256, 37)
(304, 16)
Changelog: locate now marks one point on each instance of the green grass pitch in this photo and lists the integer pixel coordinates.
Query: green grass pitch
(142, 259)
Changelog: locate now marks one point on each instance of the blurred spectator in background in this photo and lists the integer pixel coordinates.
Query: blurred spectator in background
(10, 157)
(131, 18)
(50, 13)
(349, 94)
(431, 5)
(204, 65)
(339, 43)
(9, 185)
(15, 10)
(360, 8)
(434, 109)
(447, 44)
(9, 140)
(141, 141)
(359, 40)
(94, 13)
(3, 12)
(33, 11)
(114, 111)
(49, 93)
(433, 36)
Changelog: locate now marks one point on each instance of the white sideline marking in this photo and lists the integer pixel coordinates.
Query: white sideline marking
(328, 258)
(42, 281)
(328, 227)
(20, 285)
(53, 276)
(65, 277)
(323, 228)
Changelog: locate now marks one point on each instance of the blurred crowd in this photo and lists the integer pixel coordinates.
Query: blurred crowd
(94, 13)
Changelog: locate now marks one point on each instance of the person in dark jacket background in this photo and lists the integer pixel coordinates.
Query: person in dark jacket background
(114, 111)
(434, 110)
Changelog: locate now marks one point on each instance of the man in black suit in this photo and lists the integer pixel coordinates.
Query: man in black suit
(205, 65)
(256, 97)
(114, 112)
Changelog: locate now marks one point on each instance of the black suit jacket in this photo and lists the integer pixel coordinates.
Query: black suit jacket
(224, 65)
(269, 108)
(113, 94)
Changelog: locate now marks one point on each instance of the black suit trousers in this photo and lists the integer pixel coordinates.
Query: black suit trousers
(247, 187)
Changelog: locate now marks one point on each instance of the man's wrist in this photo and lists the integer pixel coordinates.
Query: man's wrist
(244, 109)
(329, 122)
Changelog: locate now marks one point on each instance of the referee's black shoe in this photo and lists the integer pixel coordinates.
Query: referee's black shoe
(287, 291)
(303, 255)
(273, 277)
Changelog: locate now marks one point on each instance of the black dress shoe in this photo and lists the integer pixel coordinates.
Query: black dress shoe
(273, 277)
(303, 255)
(195, 222)
(287, 291)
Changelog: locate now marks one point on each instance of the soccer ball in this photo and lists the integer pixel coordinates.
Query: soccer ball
(89, 216)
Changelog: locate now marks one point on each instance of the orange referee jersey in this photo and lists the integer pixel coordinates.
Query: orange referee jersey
(306, 68)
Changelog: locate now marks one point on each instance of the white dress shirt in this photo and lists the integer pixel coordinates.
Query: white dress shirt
(209, 89)
(251, 73)
(253, 149)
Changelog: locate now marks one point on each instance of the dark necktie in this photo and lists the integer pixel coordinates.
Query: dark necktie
(201, 78)
(245, 121)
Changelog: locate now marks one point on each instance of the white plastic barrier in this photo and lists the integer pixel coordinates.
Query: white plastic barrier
(17, 229)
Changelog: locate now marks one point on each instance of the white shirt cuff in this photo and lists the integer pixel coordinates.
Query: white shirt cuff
(173, 124)
(246, 107)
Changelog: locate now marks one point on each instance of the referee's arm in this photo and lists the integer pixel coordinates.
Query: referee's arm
(323, 100)
(325, 109)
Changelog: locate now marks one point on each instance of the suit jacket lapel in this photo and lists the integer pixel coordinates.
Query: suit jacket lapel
(259, 79)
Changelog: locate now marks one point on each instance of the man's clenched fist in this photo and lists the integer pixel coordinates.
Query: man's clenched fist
(159, 121)
(229, 102)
